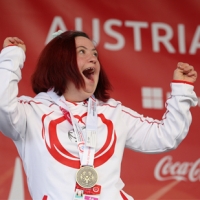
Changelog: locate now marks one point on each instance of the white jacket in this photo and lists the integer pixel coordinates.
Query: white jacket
(46, 142)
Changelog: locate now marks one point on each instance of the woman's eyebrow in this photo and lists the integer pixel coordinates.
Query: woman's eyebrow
(85, 48)
(81, 47)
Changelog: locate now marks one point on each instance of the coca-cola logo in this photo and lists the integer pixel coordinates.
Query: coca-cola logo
(166, 169)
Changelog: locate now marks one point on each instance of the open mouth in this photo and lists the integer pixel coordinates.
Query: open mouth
(88, 73)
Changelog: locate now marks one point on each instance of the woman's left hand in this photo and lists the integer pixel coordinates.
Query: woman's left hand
(185, 72)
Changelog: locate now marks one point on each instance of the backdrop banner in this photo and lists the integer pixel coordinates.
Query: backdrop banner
(140, 44)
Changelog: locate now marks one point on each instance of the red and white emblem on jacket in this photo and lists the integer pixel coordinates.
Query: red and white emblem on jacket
(62, 151)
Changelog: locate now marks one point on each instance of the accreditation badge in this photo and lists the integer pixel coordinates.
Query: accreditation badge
(92, 193)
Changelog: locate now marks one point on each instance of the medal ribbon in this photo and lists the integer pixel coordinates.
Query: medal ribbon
(86, 145)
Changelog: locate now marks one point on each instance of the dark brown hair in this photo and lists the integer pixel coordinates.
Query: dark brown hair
(57, 65)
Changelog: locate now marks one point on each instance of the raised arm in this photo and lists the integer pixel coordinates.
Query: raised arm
(153, 136)
(12, 116)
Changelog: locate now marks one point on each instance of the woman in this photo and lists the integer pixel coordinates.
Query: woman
(71, 135)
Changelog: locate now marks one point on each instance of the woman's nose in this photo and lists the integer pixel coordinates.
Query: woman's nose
(92, 58)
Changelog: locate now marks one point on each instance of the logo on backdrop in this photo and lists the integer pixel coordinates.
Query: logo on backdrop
(167, 169)
(154, 97)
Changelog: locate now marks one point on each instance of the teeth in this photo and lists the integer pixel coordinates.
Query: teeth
(90, 68)
(88, 72)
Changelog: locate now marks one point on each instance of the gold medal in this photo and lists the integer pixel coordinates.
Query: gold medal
(86, 177)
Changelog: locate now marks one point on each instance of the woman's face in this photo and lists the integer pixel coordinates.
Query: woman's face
(89, 67)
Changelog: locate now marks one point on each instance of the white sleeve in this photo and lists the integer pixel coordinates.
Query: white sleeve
(12, 115)
(153, 136)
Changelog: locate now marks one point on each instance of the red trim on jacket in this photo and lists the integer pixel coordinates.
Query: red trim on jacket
(44, 197)
(123, 196)
(10, 45)
(182, 81)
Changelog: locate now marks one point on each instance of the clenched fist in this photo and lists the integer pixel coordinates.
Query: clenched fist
(14, 41)
(185, 72)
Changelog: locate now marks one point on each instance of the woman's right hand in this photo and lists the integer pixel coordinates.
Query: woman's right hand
(15, 41)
